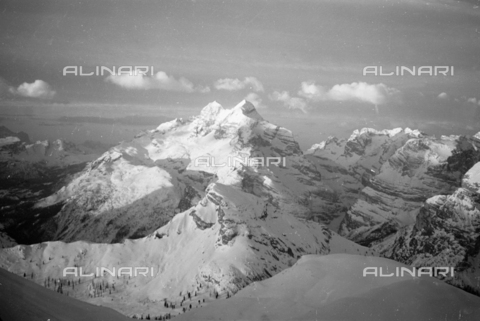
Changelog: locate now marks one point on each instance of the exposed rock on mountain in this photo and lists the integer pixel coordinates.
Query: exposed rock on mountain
(446, 233)
(421, 168)
(346, 165)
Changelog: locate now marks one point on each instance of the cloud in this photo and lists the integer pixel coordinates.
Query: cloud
(311, 91)
(442, 96)
(256, 100)
(159, 81)
(37, 89)
(473, 100)
(290, 102)
(376, 94)
(230, 84)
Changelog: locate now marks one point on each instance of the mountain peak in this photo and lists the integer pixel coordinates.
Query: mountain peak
(248, 109)
(211, 111)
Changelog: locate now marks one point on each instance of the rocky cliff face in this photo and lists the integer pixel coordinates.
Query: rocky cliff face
(347, 165)
(421, 168)
(446, 233)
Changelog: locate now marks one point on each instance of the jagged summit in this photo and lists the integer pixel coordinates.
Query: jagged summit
(387, 132)
(361, 138)
(242, 114)
(248, 109)
(212, 111)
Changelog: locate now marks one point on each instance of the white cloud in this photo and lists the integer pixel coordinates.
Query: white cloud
(290, 102)
(256, 100)
(376, 94)
(442, 96)
(230, 84)
(280, 96)
(473, 100)
(159, 81)
(37, 89)
(311, 91)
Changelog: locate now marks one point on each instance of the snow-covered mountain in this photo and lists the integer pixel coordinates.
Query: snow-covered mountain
(396, 171)
(346, 165)
(415, 184)
(25, 160)
(22, 136)
(225, 242)
(208, 231)
(138, 186)
(29, 172)
(332, 287)
(446, 233)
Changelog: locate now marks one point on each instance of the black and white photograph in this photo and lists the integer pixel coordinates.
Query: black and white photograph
(240, 160)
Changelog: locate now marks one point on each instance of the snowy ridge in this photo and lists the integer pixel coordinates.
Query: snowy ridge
(228, 240)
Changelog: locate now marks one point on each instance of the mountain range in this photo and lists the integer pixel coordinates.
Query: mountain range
(162, 200)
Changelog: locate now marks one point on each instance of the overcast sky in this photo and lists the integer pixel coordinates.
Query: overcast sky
(303, 59)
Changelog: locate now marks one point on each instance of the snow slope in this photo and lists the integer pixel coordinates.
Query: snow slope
(332, 287)
(24, 300)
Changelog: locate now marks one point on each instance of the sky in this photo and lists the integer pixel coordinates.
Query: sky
(301, 62)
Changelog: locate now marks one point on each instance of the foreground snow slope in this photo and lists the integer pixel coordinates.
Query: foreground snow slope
(26, 301)
(332, 288)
